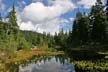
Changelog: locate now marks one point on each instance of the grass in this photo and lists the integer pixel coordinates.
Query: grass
(104, 53)
(86, 60)
(10, 64)
(91, 66)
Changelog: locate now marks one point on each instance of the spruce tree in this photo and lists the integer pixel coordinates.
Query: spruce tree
(107, 4)
(74, 36)
(13, 21)
(107, 19)
(98, 21)
(0, 17)
(83, 29)
(107, 9)
(12, 17)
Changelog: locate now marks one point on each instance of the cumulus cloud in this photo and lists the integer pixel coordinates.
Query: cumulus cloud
(86, 3)
(37, 12)
(50, 26)
(38, 17)
(72, 19)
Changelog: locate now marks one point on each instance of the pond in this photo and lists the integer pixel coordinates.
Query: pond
(53, 64)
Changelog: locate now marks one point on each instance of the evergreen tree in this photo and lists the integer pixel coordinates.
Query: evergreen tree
(0, 17)
(107, 19)
(107, 3)
(99, 22)
(83, 26)
(61, 37)
(12, 17)
(107, 9)
(79, 35)
(73, 36)
(13, 22)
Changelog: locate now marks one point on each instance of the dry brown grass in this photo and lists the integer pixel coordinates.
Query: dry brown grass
(24, 56)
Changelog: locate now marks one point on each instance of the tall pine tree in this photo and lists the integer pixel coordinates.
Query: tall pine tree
(79, 35)
(98, 32)
(0, 17)
(13, 21)
(12, 17)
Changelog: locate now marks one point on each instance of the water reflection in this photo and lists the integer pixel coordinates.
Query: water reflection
(53, 64)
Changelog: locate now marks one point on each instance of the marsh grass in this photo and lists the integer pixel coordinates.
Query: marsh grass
(91, 66)
(11, 64)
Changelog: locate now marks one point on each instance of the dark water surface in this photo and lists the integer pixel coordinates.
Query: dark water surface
(49, 65)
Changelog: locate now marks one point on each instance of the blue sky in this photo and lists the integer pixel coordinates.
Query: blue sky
(46, 15)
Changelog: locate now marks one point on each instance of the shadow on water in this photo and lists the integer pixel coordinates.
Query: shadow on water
(52, 64)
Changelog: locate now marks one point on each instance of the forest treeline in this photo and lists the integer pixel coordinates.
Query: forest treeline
(91, 29)
(88, 30)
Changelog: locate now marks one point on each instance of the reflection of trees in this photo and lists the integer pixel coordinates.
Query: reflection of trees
(61, 58)
(14, 67)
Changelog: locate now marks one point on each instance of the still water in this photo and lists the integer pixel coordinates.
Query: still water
(49, 65)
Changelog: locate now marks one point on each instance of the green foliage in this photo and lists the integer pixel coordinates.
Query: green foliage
(38, 39)
(11, 39)
(80, 31)
(60, 40)
(33, 37)
(90, 66)
(91, 29)
(0, 18)
(12, 17)
(23, 44)
(87, 29)
(99, 22)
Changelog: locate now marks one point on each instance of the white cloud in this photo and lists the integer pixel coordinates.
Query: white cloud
(26, 26)
(40, 18)
(23, 2)
(51, 26)
(86, 3)
(2, 5)
(48, 26)
(104, 2)
(71, 19)
(37, 12)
